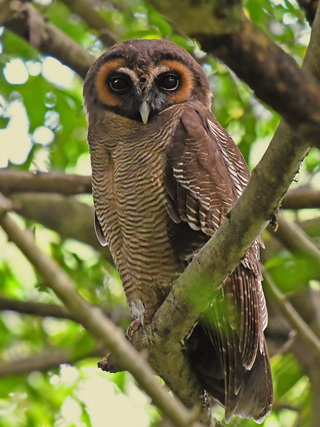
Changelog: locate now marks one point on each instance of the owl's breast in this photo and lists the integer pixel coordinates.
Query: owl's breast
(137, 224)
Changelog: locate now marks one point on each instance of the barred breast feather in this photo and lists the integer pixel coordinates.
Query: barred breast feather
(130, 205)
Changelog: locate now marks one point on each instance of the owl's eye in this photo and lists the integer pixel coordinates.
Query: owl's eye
(168, 81)
(120, 83)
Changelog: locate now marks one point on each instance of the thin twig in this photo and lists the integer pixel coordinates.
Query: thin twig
(57, 311)
(49, 359)
(291, 315)
(297, 241)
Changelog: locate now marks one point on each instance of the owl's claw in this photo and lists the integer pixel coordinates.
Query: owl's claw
(141, 321)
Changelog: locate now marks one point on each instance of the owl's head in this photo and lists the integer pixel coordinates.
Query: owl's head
(139, 79)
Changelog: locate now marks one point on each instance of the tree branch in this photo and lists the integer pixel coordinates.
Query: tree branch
(311, 227)
(273, 245)
(93, 319)
(36, 309)
(65, 215)
(311, 62)
(53, 310)
(291, 315)
(297, 241)
(24, 20)
(13, 181)
(45, 361)
(301, 198)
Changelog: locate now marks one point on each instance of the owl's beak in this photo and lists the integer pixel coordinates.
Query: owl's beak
(144, 112)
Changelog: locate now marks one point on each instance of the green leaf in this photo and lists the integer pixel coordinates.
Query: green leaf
(286, 372)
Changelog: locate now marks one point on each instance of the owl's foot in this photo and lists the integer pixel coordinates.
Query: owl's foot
(108, 363)
(141, 321)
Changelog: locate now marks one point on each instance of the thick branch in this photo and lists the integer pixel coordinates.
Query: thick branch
(301, 198)
(202, 16)
(65, 215)
(24, 20)
(15, 181)
(93, 319)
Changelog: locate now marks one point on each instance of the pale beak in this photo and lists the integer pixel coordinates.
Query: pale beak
(144, 112)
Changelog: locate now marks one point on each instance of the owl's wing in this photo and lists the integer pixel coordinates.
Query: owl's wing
(101, 173)
(206, 172)
(205, 175)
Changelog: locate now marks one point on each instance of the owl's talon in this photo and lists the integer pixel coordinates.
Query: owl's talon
(134, 326)
(141, 321)
(148, 315)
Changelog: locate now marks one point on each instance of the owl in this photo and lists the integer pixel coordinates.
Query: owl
(164, 175)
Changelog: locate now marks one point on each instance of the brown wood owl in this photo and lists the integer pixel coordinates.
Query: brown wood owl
(164, 175)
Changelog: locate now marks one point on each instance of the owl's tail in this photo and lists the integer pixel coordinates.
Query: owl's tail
(228, 349)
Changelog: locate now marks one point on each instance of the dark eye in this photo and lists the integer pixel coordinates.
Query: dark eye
(168, 81)
(120, 83)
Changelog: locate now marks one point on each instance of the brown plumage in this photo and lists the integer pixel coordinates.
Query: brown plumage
(164, 174)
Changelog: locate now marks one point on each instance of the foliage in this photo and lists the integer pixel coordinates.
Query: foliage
(42, 119)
